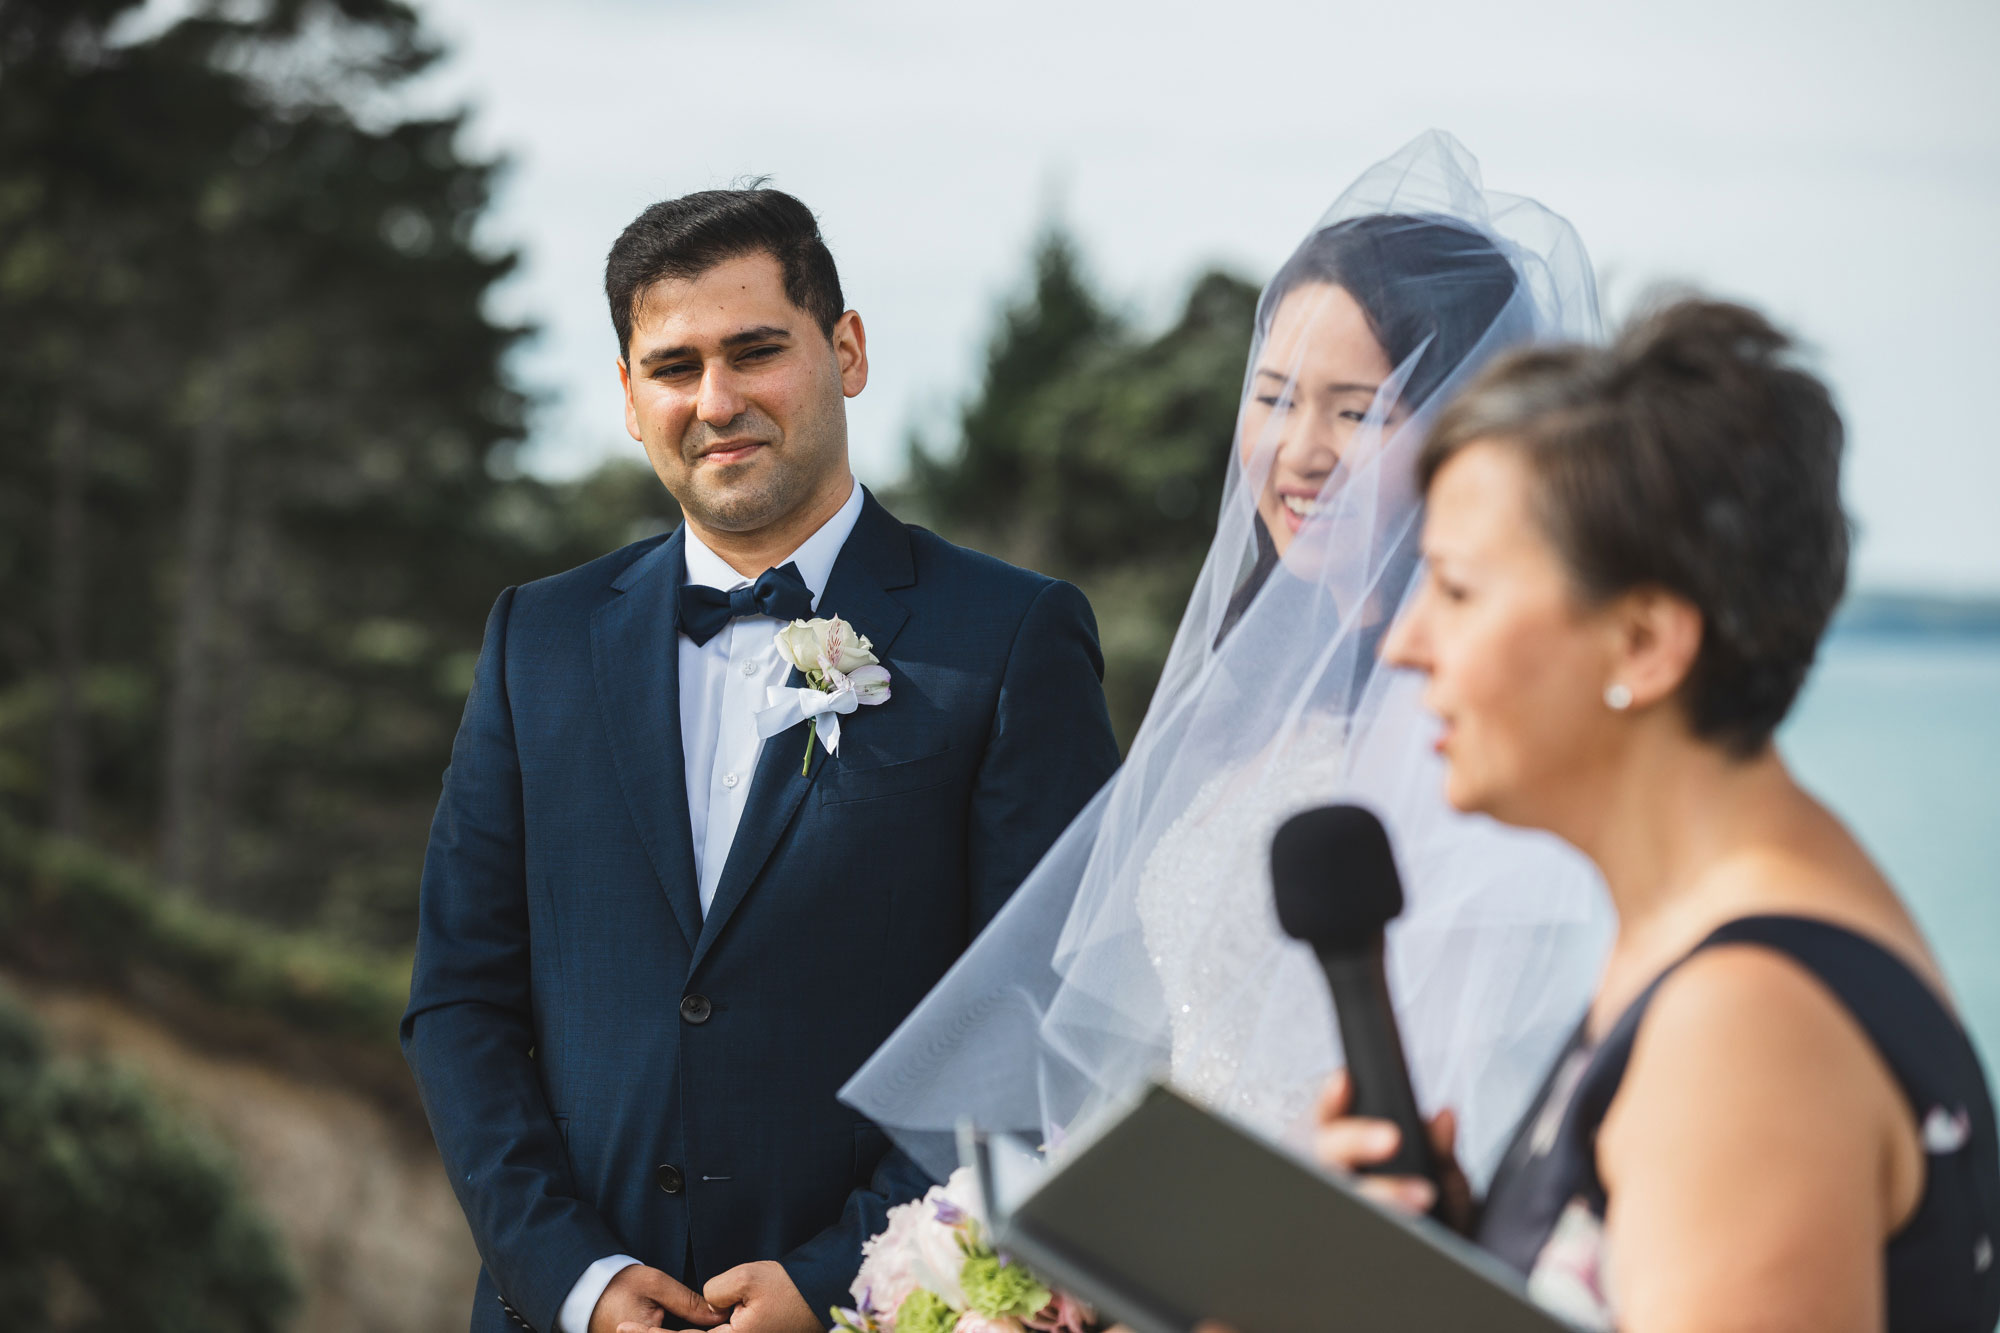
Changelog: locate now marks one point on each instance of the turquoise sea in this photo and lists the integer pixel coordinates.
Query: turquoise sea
(1901, 735)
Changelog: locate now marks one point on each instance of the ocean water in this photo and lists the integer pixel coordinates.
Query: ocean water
(1901, 736)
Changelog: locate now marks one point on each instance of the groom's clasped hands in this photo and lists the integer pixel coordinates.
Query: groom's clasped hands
(750, 1298)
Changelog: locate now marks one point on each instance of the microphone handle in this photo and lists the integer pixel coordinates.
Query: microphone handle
(1375, 1064)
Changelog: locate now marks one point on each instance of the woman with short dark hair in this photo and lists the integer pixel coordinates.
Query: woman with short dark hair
(1770, 1117)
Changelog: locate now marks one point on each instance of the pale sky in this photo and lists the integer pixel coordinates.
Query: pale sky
(1837, 164)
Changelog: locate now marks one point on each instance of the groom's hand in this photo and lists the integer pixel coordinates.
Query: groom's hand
(760, 1298)
(645, 1298)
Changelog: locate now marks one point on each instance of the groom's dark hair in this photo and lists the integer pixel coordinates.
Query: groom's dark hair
(686, 237)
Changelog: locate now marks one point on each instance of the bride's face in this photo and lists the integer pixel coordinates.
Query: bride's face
(1317, 374)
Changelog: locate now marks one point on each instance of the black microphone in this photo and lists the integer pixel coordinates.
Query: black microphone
(1336, 887)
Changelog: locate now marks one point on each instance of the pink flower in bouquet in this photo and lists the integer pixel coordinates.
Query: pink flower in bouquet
(887, 1272)
(935, 1256)
(1064, 1314)
(958, 1198)
(974, 1322)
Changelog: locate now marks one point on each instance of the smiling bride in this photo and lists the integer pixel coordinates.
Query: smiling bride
(1146, 944)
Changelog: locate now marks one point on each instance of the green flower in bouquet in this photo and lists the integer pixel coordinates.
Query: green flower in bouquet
(924, 1311)
(1000, 1291)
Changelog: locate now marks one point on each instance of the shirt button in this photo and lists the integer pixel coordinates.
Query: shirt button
(749, 668)
(696, 1009)
(670, 1179)
(730, 780)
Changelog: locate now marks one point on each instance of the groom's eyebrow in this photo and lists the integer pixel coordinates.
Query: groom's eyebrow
(761, 333)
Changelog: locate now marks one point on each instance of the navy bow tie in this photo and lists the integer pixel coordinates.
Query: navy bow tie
(779, 593)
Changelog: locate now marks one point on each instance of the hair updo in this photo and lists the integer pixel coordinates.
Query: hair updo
(1690, 455)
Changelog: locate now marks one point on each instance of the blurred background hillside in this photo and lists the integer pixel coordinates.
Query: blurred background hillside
(267, 453)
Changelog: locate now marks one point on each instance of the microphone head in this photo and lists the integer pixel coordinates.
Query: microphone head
(1335, 879)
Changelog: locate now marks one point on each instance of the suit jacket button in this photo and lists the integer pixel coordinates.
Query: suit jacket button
(696, 1008)
(670, 1179)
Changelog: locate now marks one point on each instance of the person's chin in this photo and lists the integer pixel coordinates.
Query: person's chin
(738, 477)
(1461, 792)
(738, 500)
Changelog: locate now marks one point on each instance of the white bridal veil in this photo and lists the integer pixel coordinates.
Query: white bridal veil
(1145, 943)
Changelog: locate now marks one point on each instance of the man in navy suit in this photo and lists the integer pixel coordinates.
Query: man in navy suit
(652, 944)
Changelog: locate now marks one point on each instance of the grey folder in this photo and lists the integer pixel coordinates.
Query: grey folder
(1168, 1215)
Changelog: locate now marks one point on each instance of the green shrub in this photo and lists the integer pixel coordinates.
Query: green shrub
(113, 1215)
(102, 913)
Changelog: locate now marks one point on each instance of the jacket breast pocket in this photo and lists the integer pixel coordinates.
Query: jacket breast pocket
(841, 785)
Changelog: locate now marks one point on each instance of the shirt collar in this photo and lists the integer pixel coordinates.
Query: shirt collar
(814, 557)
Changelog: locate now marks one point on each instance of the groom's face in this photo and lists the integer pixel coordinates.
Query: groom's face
(738, 396)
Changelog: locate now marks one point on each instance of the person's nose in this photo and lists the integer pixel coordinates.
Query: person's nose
(719, 401)
(1306, 448)
(1407, 644)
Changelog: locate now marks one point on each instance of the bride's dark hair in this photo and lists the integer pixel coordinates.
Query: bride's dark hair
(1418, 280)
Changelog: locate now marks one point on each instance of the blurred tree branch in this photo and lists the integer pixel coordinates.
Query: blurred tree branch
(1095, 453)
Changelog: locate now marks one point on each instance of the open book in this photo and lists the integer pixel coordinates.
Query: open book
(1165, 1215)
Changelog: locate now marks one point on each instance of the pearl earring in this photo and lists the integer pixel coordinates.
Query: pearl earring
(1617, 697)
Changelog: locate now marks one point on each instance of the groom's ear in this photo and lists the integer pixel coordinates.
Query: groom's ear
(850, 353)
(631, 413)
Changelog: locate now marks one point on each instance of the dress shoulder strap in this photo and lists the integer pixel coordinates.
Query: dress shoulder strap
(1906, 1021)
(1929, 1054)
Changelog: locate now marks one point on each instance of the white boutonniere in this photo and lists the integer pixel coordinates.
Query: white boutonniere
(842, 674)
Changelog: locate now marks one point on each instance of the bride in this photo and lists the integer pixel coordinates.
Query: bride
(1145, 944)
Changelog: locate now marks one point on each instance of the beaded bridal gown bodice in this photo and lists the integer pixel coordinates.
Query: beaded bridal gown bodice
(1211, 932)
(1489, 964)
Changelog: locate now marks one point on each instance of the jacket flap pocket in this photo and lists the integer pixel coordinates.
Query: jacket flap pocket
(840, 783)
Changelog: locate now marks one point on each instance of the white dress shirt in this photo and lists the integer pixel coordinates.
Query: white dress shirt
(722, 687)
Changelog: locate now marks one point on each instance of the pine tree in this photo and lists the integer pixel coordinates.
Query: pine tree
(1042, 336)
(1096, 454)
(257, 453)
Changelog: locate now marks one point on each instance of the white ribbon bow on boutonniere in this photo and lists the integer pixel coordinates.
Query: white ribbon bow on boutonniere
(842, 674)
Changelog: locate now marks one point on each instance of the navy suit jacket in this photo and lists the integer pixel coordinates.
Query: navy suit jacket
(607, 1071)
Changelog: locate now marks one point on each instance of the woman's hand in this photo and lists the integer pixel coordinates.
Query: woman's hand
(1349, 1143)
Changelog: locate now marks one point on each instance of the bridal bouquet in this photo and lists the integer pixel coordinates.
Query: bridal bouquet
(932, 1271)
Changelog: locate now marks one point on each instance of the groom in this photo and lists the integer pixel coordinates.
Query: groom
(653, 942)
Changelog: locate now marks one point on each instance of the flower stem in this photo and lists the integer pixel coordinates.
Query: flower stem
(805, 769)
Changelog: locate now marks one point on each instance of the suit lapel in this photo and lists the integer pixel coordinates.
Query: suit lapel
(875, 558)
(635, 657)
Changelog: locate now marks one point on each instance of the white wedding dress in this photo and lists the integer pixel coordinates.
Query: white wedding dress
(1486, 987)
(1212, 935)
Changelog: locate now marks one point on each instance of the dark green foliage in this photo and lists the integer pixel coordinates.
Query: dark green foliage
(1098, 455)
(1040, 339)
(113, 1215)
(69, 909)
(256, 478)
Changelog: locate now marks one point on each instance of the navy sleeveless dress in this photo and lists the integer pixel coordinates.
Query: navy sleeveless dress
(1544, 1214)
